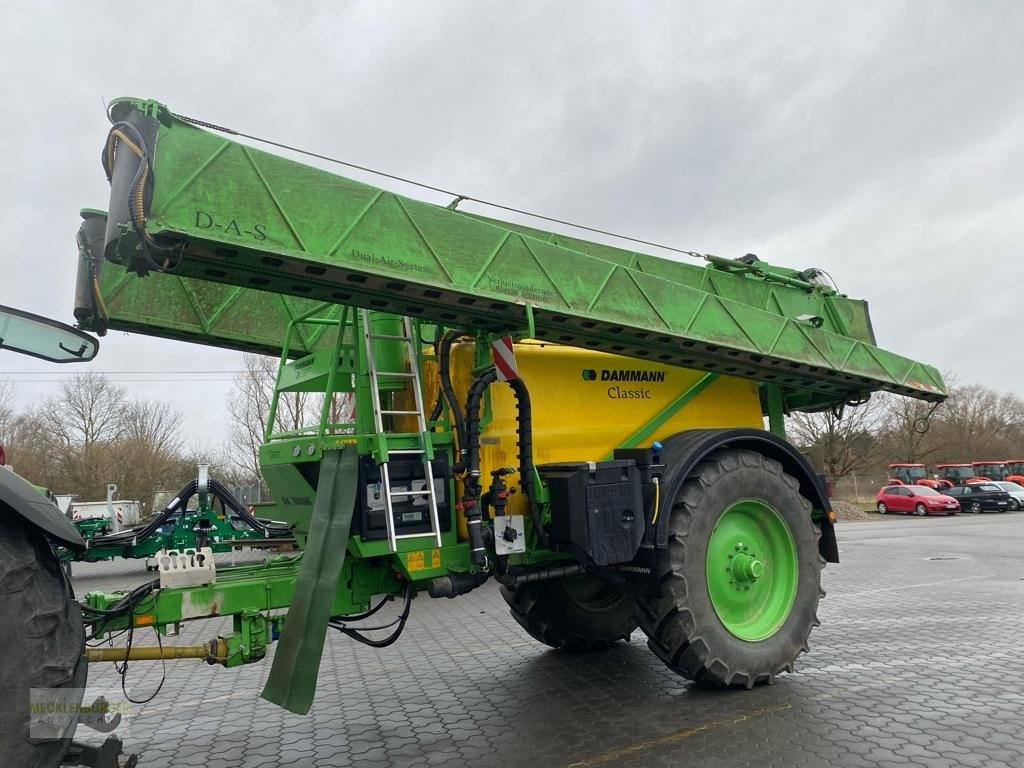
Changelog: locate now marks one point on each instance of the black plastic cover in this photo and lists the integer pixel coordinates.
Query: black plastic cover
(91, 239)
(19, 498)
(597, 509)
(123, 175)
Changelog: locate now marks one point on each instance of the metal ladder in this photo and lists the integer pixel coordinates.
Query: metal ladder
(425, 448)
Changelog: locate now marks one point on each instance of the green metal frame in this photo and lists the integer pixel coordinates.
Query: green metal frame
(296, 230)
(244, 590)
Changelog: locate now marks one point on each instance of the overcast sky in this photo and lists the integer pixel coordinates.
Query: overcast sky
(880, 141)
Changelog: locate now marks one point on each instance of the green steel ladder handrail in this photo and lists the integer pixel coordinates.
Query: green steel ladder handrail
(309, 318)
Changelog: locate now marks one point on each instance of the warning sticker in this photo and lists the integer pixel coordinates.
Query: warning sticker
(417, 561)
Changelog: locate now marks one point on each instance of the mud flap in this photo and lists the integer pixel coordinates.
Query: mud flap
(292, 681)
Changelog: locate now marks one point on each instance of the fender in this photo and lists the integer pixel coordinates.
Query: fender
(683, 451)
(18, 497)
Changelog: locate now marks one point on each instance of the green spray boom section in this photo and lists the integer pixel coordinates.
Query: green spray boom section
(233, 242)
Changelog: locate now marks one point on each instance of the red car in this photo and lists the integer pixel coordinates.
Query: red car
(915, 499)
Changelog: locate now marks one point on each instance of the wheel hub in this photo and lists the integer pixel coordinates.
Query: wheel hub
(745, 568)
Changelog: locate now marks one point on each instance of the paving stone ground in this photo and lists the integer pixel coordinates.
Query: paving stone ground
(919, 661)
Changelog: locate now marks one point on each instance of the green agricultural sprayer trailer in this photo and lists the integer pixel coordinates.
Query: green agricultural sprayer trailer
(582, 424)
(203, 514)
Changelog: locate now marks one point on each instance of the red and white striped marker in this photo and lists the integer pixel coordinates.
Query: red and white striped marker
(504, 359)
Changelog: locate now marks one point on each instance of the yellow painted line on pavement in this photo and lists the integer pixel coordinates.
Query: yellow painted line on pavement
(671, 738)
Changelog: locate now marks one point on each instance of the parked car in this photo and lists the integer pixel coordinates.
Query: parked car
(981, 496)
(1016, 492)
(915, 499)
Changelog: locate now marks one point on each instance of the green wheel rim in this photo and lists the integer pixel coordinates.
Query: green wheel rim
(752, 570)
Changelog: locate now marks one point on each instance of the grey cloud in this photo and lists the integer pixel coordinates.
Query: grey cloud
(877, 140)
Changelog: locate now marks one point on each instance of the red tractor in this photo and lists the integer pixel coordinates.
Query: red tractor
(914, 474)
(959, 474)
(1015, 471)
(989, 470)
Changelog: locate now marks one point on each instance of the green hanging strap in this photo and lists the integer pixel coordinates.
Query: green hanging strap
(292, 681)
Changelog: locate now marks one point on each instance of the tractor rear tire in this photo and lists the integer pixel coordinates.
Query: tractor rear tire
(740, 579)
(574, 613)
(43, 641)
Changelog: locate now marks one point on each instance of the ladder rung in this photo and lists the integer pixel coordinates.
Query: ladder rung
(389, 337)
(411, 493)
(399, 413)
(403, 374)
(406, 451)
(414, 535)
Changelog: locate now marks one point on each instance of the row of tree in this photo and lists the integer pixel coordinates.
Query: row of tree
(973, 424)
(93, 432)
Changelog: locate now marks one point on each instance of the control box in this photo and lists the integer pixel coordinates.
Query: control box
(412, 513)
(596, 509)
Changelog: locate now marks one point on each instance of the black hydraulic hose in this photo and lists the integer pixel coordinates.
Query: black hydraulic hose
(399, 623)
(524, 429)
(222, 494)
(230, 502)
(435, 412)
(471, 488)
(361, 616)
(448, 392)
(125, 538)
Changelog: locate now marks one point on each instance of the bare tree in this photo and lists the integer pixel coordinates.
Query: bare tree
(88, 409)
(249, 410)
(911, 429)
(154, 424)
(979, 424)
(90, 434)
(31, 448)
(7, 413)
(840, 442)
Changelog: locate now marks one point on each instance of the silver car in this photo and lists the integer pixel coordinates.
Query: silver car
(1016, 494)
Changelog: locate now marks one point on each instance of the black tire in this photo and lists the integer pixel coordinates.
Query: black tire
(920, 510)
(975, 507)
(882, 509)
(43, 640)
(574, 613)
(682, 626)
(1014, 505)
